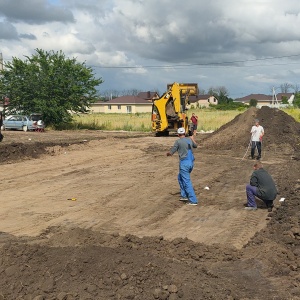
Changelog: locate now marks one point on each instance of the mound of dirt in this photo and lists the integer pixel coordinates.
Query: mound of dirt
(82, 264)
(17, 151)
(281, 131)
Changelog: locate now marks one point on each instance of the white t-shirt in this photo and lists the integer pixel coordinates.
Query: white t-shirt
(256, 131)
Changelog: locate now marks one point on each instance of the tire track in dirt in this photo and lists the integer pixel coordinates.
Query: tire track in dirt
(125, 190)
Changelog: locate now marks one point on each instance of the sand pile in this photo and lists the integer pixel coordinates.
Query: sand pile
(282, 132)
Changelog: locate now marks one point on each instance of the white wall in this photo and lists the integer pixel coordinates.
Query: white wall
(120, 108)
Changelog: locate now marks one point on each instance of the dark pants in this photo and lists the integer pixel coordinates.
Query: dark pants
(251, 192)
(258, 146)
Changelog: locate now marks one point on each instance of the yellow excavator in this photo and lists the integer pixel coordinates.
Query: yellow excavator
(169, 111)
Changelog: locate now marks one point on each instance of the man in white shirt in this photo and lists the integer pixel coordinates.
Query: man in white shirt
(257, 133)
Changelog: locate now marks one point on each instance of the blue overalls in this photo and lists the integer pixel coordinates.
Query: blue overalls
(184, 179)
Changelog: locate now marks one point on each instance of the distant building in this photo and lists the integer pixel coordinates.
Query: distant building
(202, 101)
(149, 96)
(264, 100)
(123, 104)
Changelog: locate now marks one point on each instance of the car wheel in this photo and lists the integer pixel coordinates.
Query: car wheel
(25, 128)
(3, 127)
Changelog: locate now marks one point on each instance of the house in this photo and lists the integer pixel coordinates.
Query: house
(202, 101)
(123, 104)
(264, 100)
(149, 96)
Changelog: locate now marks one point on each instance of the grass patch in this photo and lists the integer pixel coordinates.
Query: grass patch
(208, 120)
(126, 122)
(294, 112)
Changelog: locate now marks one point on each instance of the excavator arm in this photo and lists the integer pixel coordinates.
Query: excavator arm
(169, 111)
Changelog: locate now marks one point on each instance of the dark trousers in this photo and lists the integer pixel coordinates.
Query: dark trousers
(251, 192)
(256, 145)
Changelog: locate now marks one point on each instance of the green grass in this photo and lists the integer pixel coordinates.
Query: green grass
(208, 119)
(127, 122)
(294, 112)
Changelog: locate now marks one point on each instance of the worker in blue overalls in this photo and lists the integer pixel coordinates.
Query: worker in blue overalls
(184, 147)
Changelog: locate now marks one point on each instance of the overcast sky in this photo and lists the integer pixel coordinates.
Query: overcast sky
(248, 46)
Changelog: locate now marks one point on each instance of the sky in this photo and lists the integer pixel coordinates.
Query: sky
(247, 46)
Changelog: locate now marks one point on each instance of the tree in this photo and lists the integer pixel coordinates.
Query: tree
(296, 88)
(221, 93)
(285, 87)
(297, 100)
(51, 84)
(201, 91)
(284, 100)
(132, 92)
(253, 102)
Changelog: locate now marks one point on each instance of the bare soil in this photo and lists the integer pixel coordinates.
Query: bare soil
(125, 235)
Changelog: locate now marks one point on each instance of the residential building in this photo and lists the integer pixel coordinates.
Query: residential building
(264, 100)
(123, 104)
(149, 96)
(202, 101)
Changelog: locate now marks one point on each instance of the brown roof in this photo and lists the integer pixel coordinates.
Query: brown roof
(281, 95)
(148, 95)
(126, 100)
(195, 98)
(263, 97)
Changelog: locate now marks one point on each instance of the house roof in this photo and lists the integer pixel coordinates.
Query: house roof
(193, 99)
(263, 97)
(196, 98)
(126, 100)
(148, 95)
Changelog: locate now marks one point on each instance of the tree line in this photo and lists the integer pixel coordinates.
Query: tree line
(56, 86)
(48, 83)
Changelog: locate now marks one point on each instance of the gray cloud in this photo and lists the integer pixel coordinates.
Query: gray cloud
(28, 36)
(194, 32)
(169, 32)
(8, 31)
(34, 12)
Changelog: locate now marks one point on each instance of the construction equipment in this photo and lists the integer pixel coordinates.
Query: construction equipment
(169, 111)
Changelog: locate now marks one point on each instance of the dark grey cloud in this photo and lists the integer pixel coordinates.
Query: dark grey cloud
(8, 31)
(174, 31)
(34, 12)
(28, 36)
(163, 32)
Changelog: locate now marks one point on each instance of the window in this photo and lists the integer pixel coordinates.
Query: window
(109, 106)
(129, 109)
(119, 107)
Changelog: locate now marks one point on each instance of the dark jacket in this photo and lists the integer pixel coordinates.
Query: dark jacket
(266, 189)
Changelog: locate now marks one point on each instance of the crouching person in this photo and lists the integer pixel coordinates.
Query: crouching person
(261, 186)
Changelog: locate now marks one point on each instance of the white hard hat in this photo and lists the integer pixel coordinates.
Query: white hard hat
(181, 130)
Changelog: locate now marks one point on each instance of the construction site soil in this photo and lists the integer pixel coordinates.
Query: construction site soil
(95, 215)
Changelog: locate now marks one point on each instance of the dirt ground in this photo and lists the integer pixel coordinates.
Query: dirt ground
(125, 235)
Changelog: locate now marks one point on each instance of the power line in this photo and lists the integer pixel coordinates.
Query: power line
(207, 65)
